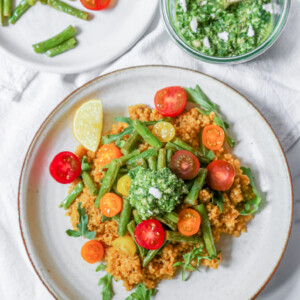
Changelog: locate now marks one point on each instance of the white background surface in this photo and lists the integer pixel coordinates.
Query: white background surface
(271, 82)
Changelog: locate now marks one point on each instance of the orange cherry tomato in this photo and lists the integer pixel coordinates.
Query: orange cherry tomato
(189, 222)
(92, 251)
(213, 137)
(111, 204)
(107, 153)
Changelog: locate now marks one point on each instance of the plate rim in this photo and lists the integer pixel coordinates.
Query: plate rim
(144, 67)
(41, 67)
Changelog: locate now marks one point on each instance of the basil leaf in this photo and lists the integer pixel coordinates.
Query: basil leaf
(141, 293)
(218, 199)
(251, 205)
(126, 120)
(82, 225)
(101, 267)
(85, 165)
(107, 291)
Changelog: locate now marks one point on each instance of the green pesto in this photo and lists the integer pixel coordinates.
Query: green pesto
(243, 26)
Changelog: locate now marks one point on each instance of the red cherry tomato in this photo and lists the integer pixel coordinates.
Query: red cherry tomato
(220, 175)
(185, 164)
(95, 4)
(170, 101)
(65, 167)
(149, 234)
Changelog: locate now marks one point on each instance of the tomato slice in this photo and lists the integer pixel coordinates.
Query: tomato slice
(220, 175)
(170, 101)
(213, 137)
(185, 164)
(164, 131)
(111, 204)
(92, 251)
(189, 222)
(95, 4)
(149, 234)
(65, 167)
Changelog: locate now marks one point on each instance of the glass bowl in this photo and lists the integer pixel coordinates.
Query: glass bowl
(167, 9)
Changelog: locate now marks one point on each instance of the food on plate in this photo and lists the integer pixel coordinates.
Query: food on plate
(68, 9)
(22, 7)
(224, 28)
(95, 4)
(157, 192)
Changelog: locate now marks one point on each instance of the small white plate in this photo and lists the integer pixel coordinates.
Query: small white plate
(108, 35)
(248, 261)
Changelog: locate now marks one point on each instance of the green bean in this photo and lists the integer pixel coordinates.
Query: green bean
(2, 19)
(63, 36)
(66, 8)
(172, 216)
(72, 195)
(124, 170)
(139, 162)
(146, 154)
(167, 222)
(152, 163)
(108, 180)
(130, 143)
(32, 2)
(206, 230)
(116, 218)
(170, 153)
(7, 8)
(136, 217)
(63, 47)
(89, 182)
(151, 254)
(85, 165)
(146, 134)
(19, 11)
(44, 2)
(175, 236)
(125, 217)
(162, 159)
(192, 196)
(131, 227)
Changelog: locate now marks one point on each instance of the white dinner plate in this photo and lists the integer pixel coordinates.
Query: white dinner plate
(100, 40)
(248, 261)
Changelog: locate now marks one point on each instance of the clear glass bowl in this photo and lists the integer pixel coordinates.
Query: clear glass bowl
(167, 9)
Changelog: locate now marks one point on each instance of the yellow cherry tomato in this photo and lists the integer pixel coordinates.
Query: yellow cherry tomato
(164, 131)
(125, 245)
(123, 185)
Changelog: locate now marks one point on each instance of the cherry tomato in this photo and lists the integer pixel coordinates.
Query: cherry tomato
(95, 4)
(65, 167)
(107, 153)
(111, 204)
(185, 164)
(92, 251)
(149, 234)
(125, 244)
(123, 185)
(170, 101)
(213, 137)
(220, 175)
(164, 131)
(189, 222)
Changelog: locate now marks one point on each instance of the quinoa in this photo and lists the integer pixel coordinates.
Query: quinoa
(129, 269)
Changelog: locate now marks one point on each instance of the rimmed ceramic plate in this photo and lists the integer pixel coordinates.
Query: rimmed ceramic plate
(248, 261)
(108, 35)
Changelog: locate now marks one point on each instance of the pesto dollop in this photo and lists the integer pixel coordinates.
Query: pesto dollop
(216, 29)
(155, 192)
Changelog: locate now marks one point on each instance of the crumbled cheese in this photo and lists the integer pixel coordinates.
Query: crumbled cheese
(203, 3)
(194, 24)
(272, 8)
(206, 42)
(155, 192)
(213, 16)
(223, 36)
(250, 32)
(182, 3)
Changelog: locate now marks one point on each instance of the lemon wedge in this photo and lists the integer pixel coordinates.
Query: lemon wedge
(87, 124)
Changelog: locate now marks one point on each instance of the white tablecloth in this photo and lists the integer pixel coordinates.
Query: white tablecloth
(272, 82)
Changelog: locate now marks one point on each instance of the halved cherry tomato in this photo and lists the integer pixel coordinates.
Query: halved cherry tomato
(123, 185)
(95, 4)
(185, 164)
(107, 153)
(164, 131)
(65, 167)
(220, 175)
(189, 222)
(111, 204)
(149, 234)
(170, 101)
(213, 137)
(92, 251)
(125, 244)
